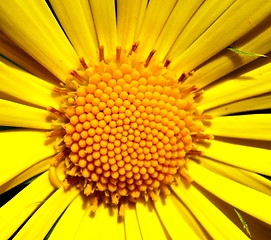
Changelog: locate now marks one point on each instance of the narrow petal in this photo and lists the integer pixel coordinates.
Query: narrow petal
(173, 215)
(261, 102)
(43, 219)
(203, 18)
(240, 156)
(242, 176)
(132, 230)
(76, 19)
(19, 115)
(227, 61)
(30, 172)
(90, 227)
(105, 22)
(70, 220)
(253, 126)
(253, 82)
(19, 208)
(155, 18)
(11, 51)
(26, 87)
(25, 148)
(223, 32)
(211, 218)
(150, 226)
(175, 24)
(42, 39)
(236, 194)
(127, 20)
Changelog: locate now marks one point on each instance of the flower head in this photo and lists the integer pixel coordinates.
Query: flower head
(135, 115)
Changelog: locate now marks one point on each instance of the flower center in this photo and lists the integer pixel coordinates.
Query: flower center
(130, 129)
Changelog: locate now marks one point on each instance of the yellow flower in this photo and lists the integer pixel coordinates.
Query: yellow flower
(137, 119)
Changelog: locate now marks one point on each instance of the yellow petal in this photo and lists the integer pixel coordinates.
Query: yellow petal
(241, 197)
(22, 148)
(103, 224)
(246, 14)
(240, 156)
(30, 172)
(132, 230)
(43, 219)
(210, 217)
(178, 221)
(256, 41)
(19, 115)
(70, 220)
(127, 20)
(11, 51)
(150, 226)
(26, 87)
(32, 26)
(155, 18)
(21, 206)
(175, 24)
(242, 176)
(76, 19)
(105, 22)
(245, 85)
(261, 102)
(253, 126)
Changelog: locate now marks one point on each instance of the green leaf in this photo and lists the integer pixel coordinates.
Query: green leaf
(245, 53)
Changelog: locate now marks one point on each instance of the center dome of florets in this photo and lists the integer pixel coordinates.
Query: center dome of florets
(129, 129)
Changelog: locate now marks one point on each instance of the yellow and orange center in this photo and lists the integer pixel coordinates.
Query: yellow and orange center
(130, 129)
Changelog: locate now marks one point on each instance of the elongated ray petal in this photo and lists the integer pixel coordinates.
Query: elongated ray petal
(251, 104)
(20, 207)
(173, 214)
(226, 61)
(19, 115)
(244, 198)
(150, 226)
(31, 147)
(105, 22)
(243, 13)
(155, 18)
(132, 230)
(240, 156)
(203, 18)
(207, 213)
(104, 216)
(253, 126)
(44, 218)
(26, 87)
(76, 18)
(174, 25)
(127, 20)
(11, 51)
(70, 220)
(30, 172)
(42, 39)
(234, 88)
(242, 176)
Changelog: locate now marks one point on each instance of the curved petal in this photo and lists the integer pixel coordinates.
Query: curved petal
(253, 126)
(76, 19)
(236, 194)
(246, 14)
(30, 148)
(19, 208)
(27, 87)
(43, 219)
(32, 26)
(19, 115)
